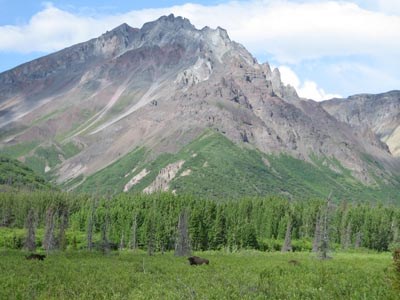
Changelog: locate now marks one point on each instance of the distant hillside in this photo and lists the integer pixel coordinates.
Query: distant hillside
(17, 175)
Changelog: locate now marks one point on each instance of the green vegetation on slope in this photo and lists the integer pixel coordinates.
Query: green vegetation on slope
(18, 175)
(221, 169)
(243, 275)
(113, 178)
(49, 156)
(15, 151)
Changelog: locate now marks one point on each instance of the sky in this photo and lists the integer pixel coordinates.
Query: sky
(323, 48)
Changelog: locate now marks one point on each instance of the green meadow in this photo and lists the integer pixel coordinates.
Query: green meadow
(242, 275)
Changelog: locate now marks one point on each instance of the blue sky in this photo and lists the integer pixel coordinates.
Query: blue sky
(323, 48)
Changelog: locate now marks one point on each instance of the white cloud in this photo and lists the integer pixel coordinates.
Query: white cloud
(289, 31)
(307, 89)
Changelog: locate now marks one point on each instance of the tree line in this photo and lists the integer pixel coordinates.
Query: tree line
(164, 222)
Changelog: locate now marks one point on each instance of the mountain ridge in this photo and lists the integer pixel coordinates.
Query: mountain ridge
(161, 87)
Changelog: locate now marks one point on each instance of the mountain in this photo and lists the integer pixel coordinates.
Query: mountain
(172, 107)
(377, 113)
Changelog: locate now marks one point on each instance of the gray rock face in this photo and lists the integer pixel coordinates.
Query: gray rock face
(161, 86)
(367, 113)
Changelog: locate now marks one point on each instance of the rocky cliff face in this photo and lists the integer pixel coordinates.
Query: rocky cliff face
(160, 87)
(367, 113)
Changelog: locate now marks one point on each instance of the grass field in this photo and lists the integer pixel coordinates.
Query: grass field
(242, 275)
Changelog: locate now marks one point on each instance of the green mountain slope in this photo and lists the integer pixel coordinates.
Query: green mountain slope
(15, 174)
(215, 167)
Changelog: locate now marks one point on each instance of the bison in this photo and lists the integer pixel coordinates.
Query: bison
(35, 256)
(195, 260)
(294, 262)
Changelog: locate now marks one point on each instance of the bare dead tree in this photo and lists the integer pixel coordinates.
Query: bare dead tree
(64, 220)
(48, 241)
(322, 227)
(357, 243)
(343, 228)
(151, 237)
(151, 229)
(287, 245)
(105, 243)
(122, 242)
(324, 246)
(182, 244)
(31, 231)
(317, 233)
(7, 217)
(91, 221)
(347, 237)
(133, 243)
(150, 244)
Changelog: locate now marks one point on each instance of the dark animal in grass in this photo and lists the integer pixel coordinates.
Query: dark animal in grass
(195, 261)
(294, 262)
(35, 256)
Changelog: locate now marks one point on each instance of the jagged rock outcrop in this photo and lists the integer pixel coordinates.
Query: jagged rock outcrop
(165, 176)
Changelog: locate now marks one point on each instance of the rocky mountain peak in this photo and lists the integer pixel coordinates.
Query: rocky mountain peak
(167, 24)
(160, 87)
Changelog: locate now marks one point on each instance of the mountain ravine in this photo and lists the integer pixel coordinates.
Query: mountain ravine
(119, 112)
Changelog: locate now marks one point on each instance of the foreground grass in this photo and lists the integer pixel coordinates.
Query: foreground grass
(244, 275)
